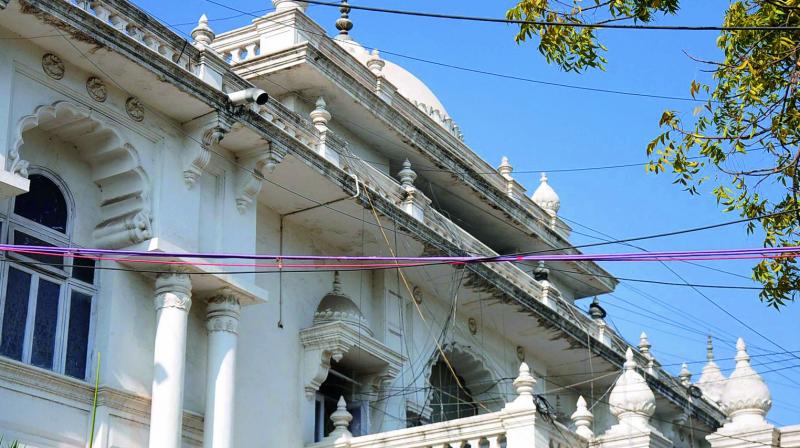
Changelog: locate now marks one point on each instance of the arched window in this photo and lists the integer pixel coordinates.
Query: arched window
(450, 397)
(46, 301)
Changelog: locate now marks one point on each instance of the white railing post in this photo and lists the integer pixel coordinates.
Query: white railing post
(519, 416)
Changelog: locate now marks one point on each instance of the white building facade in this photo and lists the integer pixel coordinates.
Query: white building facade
(116, 133)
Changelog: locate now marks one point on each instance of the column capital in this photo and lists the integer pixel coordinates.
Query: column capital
(223, 312)
(173, 290)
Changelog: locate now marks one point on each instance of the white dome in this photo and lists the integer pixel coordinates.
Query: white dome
(546, 197)
(631, 399)
(408, 85)
(745, 398)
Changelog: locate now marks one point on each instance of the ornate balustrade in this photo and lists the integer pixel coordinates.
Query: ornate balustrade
(517, 425)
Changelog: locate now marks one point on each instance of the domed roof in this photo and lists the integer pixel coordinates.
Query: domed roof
(546, 197)
(631, 396)
(337, 307)
(408, 85)
(745, 397)
(712, 381)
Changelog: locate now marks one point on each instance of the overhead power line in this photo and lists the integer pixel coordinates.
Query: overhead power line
(598, 25)
(471, 69)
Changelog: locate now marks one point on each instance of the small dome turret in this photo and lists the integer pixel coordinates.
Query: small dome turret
(746, 398)
(711, 381)
(338, 307)
(631, 400)
(545, 197)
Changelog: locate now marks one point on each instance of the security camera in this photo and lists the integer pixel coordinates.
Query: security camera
(251, 95)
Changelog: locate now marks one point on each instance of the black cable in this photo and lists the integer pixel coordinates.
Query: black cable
(561, 24)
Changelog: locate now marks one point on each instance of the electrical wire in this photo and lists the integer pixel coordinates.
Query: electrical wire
(554, 24)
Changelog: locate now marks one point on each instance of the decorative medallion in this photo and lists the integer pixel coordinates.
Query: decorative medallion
(96, 89)
(53, 66)
(417, 294)
(135, 108)
(520, 353)
(473, 325)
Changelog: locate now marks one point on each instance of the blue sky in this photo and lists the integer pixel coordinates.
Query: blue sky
(548, 128)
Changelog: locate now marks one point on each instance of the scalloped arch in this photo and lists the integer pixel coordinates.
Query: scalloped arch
(474, 368)
(126, 216)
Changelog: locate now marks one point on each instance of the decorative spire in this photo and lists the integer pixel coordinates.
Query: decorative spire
(407, 175)
(685, 375)
(343, 23)
(711, 381)
(746, 398)
(644, 345)
(374, 62)
(582, 418)
(337, 284)
(596, 311)
(341, 420)
(545, 197)
(202, 34)
(631, 399)
(320, 115)
(523, 384)
(505, 168)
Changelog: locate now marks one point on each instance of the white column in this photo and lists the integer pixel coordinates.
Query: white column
(223, 330)
(173, 300)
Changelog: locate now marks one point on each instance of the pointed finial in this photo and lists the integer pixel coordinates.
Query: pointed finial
(343, 23)
(630, 364)
(374, 62)
(523, 384)
(341, 419)
(631, 400)
(505, 167)
(337, 284)
(407, 175)
(582, 418)
(644, 344)
(685, 375)
(202, 34)
(320, 115)
(710, 349)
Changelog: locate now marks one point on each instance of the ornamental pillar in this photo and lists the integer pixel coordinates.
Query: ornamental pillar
(222, 323)
(172, 302)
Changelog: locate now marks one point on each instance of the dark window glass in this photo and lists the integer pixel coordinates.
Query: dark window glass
(44, 203)
(15, 313)
(27, 240)
(80, 310)
(83, 269)
(45, 324)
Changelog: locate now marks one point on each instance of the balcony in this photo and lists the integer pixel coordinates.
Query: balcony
(517, 425)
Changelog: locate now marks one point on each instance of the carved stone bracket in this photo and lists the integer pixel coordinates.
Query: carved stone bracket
(211, 129)
(333, 341)
(251, 177)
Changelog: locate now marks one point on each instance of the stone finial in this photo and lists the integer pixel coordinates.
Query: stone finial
(343, 23)
(285, 5)
(711, 381)
(341, 419)
(631, 400)
(337, 284)
(523, 384)
(320, 115)
(644, 345)
(202, 34)
(595, 310)
(541, 273)
(407, 175)
(582, 418)
(374, 62)
(746, 398)
(545, 197)
(685, 375)
(505, 168)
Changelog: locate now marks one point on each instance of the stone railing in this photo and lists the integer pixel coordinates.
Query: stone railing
(517, 425)
(142, 28)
